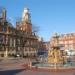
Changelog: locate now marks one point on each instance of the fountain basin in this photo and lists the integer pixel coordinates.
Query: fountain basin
(48, 65)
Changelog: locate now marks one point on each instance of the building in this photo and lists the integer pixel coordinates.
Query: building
(6, 29)
(20, 40)
(31, 40)
(66, 40)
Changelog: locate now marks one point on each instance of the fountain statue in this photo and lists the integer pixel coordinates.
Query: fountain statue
(56, 56)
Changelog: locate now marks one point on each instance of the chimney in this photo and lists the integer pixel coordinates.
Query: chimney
(4, 14)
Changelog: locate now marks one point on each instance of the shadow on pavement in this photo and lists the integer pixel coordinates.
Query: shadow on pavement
(11, 72)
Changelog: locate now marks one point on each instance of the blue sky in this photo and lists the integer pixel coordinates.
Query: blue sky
(49, 15)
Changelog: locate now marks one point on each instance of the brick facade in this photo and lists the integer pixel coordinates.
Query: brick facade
(66, 40)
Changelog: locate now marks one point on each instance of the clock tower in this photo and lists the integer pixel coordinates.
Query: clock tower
(26, 24)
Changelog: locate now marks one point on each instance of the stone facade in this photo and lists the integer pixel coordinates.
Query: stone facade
(20, 40)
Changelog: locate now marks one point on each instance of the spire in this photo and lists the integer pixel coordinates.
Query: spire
(26, 16)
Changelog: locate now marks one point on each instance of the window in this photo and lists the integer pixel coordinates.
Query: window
(70, 41)
(4, 29)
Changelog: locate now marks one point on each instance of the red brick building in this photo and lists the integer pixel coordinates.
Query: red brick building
(20, 40)
(25, 25)
(65, 40)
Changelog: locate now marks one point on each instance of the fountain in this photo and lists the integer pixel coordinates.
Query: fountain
(56, 56)
(56, 59)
